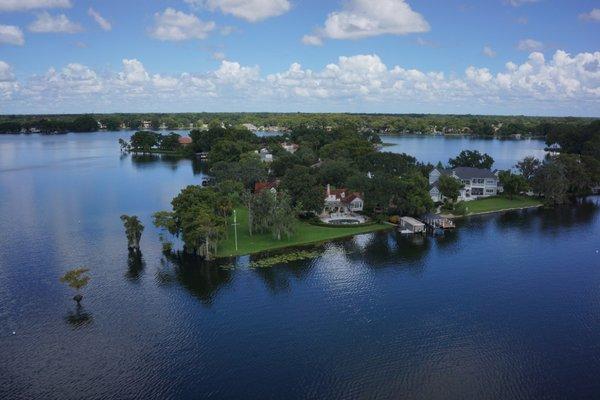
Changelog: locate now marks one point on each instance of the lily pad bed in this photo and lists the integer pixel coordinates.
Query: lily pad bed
(284, 258)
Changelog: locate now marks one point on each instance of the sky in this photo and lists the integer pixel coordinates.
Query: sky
(524, 57)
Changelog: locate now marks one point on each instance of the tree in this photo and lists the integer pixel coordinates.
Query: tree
(528, 167)
(197, 219)
(144, 141)
(301, 184)
(450, 187)
(84, 123)
(551, 181)
(513, 184)
(335, 172)
(283, 216)
(77, 279)
(472, 158)
(133, 231)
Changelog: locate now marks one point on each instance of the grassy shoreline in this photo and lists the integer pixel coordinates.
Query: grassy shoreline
(492, 205)
(305, 234)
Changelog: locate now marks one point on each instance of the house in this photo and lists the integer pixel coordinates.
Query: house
(146, 125)
(342, 201)
(250, 127)
(270, 186)
(290, 147)
(477, 183)
(264, 155)
(163, 127)
(101, 126)
(185, 140)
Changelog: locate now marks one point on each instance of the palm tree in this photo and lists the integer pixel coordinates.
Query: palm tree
(133, 230)
(77, 279)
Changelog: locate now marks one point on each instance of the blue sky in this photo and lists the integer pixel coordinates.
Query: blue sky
(290, 55)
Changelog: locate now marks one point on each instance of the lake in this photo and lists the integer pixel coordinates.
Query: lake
(507, 306)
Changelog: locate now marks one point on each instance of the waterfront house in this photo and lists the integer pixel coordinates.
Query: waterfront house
(290, 147)
(477, 183)
(343, 201)
(146, 125)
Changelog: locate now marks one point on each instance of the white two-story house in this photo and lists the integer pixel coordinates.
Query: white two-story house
(477, 183)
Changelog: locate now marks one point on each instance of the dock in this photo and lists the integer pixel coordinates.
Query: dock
(436, 221)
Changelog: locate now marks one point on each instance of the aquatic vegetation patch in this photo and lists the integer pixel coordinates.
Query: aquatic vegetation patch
(284, 258)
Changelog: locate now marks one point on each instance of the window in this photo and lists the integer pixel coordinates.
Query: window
(489, 190)
(490, 182)
(477, 191)
(478, 181)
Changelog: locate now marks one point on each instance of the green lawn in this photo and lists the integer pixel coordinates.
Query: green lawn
(305, 233)
(492, 204)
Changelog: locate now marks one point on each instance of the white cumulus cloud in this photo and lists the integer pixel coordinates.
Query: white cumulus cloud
(47, 23)
(517, 3)
(100, 20)
(10, 34)
(593, 15)
(25, 5)
(250, 10)
(530, 45)
(173, 25)
(364, 18)
(560, 84)
(489, 52)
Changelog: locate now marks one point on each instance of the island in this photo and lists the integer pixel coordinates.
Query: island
(309, 185)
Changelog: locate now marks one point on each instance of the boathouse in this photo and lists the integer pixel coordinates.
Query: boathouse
(411, 225)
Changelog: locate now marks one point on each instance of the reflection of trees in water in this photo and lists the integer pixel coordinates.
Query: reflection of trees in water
(278, 278)
(135, 266)
(141, 161)
(548, 221)
(79, 318)
(388, 250)
(203, 280)
(447, 239)
(569, 216)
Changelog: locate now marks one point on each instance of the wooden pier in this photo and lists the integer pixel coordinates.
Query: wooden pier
(435, 221)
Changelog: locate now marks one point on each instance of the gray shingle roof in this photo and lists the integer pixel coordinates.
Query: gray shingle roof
(470, 173)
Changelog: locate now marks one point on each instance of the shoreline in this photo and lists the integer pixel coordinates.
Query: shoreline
(339, 234)
(452, 216)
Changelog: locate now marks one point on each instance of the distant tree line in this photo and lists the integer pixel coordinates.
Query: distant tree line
(482, 125)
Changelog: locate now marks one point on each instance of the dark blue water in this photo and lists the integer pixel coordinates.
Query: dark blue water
(508, 306)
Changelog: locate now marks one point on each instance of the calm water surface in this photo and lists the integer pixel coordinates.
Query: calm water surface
(508, 306)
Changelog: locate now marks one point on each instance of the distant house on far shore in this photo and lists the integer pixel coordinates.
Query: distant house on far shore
(264, 155)
(185, 140)
(477, 183)
(290, 147)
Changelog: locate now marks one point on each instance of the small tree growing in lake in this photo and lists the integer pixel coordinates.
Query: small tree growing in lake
(133, 230)
(77, 279)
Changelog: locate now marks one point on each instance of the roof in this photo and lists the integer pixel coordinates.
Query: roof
(185, 140)
(260, 186)
(469, 173)
(412, 221)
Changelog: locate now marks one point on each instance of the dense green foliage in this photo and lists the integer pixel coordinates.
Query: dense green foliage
(449, 187)
(473, 159)
(483, 125)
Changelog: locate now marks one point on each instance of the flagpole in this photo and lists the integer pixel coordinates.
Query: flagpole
(235, 228)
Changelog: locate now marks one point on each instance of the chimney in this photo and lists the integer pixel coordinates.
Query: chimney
(328, 190)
